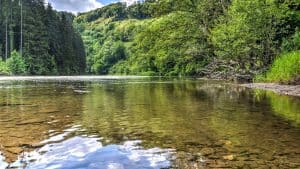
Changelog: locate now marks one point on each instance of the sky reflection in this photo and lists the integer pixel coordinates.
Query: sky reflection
(88, 153)
(3, 164)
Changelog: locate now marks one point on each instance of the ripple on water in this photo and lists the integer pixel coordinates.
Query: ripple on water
(211, 125)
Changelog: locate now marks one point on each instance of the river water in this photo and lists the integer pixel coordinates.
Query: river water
(109, 122)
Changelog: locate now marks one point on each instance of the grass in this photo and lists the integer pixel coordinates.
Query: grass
(285, 69)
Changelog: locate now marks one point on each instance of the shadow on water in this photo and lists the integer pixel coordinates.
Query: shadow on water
(146, 123)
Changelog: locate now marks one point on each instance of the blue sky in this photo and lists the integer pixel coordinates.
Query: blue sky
(82, 5)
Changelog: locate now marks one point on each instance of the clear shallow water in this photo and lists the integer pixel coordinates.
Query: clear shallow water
(139, 122)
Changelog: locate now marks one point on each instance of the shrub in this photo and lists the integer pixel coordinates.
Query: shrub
(16, 64)
(3, 68)
(292, 43)
(285, 68)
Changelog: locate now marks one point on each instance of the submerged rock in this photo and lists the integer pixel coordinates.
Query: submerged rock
(207, 151)
(228, 157)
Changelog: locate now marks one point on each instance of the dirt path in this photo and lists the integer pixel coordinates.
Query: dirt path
(292, 90)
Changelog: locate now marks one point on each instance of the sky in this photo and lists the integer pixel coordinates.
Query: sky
(76, 6)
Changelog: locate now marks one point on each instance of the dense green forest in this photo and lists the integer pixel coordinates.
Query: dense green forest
(37, 40)
(227, 39)
(212, 38)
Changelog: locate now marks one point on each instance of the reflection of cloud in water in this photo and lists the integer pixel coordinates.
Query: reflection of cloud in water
(82, 152)
(3, 164)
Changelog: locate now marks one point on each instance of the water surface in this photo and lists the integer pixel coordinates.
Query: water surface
(139, 122)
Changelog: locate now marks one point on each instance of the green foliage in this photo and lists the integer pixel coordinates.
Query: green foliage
(152, 43)
(168, 48)
(107, 43)
(110, 53)
(284, 69)
(16, 64)
(50, 45)
(182, 37)
(153, 37)
(3, 68)
(292, 43)
(247, 33)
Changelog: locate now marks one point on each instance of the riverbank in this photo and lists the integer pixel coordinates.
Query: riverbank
(291, 90)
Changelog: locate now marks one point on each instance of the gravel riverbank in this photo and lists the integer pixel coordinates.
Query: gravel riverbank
(292, 90)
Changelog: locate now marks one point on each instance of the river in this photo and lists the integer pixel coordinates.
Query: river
(116, 122)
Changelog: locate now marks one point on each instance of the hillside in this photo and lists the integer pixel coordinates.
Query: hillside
(218, 39)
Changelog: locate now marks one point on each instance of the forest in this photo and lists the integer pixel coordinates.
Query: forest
(224, 39)
(219, 39)
(37, 40)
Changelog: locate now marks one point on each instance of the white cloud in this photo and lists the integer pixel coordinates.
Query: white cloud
(75, 6)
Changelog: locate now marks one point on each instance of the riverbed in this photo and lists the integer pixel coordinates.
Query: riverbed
(144, 122)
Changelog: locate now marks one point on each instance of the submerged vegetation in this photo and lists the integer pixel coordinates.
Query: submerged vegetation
(185, 37)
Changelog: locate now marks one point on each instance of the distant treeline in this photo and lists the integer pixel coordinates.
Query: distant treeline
(184, 37)
(50, 45)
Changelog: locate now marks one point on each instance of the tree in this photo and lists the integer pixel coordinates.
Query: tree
(247, 33)
(110, 54)
(16, 64)
(42, 37)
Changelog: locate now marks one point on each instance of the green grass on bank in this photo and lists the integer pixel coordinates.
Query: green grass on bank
(285, 69)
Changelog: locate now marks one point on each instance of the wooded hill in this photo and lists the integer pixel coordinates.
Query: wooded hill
(213, 38)
(48, 43)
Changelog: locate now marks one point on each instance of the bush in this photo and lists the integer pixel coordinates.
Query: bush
(3, 68)
(285, 68)
(293, 43)
(16, 64)
(149, 73)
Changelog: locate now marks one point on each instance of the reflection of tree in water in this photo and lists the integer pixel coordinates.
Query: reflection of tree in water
(33, 113)
(286, 107)
(203, 121)
(154, 112)
(187, 116)
(249, 130)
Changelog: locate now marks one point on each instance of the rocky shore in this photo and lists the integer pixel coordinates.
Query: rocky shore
(291, 90)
